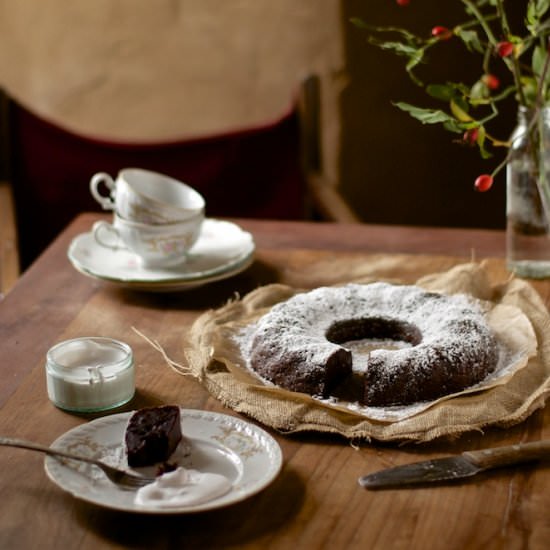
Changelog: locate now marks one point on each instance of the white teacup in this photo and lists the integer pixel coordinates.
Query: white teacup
(147, 197)
(157, 246)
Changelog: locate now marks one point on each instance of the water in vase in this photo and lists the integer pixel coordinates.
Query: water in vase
(528, 240)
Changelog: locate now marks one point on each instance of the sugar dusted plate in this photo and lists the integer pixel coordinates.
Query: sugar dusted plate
(247, 455)
(222, 250)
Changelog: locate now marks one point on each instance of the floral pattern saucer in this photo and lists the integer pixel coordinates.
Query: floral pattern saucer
(246, 454)
(222, 250)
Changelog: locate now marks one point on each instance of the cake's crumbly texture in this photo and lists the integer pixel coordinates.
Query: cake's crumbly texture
(300, 344)
(152, 435)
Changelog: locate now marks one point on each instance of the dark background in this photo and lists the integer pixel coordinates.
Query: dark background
(395, 169)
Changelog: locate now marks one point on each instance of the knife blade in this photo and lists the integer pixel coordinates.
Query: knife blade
(456, 467)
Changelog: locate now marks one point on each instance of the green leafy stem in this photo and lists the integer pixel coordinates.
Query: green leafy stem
(472, 106)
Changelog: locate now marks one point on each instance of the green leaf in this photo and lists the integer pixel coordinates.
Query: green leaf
(453, 126)
(535, 11)
(444, 92)
(470, 38)
(483, 152)
(413, 62)
(426, 116)
(406, 49)
(530, 89)
(480, 4)
(462, 104)
(479, 91)
(399, 48)
(481, 143)
(538, 61)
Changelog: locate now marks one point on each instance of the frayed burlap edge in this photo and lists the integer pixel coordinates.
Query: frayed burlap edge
(214, 360)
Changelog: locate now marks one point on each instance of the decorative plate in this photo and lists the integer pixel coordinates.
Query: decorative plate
(247, 455)
(222, 250)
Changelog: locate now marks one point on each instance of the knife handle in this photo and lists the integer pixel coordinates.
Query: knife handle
(512, 454)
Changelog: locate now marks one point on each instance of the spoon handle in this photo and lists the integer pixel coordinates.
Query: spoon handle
(23, 444)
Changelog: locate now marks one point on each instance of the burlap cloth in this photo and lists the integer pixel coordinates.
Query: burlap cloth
(215, 358)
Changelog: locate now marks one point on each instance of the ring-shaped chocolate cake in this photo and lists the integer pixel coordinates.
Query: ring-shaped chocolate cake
(446, 344)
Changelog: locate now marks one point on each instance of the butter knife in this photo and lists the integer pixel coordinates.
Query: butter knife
(456, 467)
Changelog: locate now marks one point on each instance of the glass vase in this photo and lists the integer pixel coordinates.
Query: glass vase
(527, 195)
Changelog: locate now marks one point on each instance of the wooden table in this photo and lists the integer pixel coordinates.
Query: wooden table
(315, 502)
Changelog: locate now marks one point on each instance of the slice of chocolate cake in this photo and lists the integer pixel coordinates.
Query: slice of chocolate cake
(152, 435)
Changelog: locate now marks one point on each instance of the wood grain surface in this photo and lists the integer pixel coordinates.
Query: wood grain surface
(315, 502)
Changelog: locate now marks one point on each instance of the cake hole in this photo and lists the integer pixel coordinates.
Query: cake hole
(374, 332)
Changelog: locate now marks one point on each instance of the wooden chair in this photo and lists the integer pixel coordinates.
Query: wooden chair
(250, 173)
(323, 196)
(271, 171)
(9, 253)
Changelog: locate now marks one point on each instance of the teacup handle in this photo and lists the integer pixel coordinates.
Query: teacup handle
(104, 228)
(105, 201)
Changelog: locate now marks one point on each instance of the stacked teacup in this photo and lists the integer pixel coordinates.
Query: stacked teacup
(155, 216)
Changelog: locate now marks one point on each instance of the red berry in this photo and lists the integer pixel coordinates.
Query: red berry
(443, 33)
(491, 81)
(505, 48)
(402, 2)
(470, 136)
(483, 183)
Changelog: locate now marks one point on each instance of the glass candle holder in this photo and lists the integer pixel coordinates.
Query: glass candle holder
(90, 374)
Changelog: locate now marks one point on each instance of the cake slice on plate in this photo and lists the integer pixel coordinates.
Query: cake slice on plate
(152, 435)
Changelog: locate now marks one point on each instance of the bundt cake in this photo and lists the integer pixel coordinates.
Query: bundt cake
(447, 345)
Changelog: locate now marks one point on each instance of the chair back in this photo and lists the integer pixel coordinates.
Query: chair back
(252, 172)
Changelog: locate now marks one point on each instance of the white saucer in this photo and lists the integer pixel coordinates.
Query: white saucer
(217, 443)
(222, 250)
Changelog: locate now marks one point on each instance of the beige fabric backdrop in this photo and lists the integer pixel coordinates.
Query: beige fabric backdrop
(141, 69)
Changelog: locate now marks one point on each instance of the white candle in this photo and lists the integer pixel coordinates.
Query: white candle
(90, 374)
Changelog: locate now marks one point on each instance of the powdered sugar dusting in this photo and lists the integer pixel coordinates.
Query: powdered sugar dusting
(453, 329)
(507, 361)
